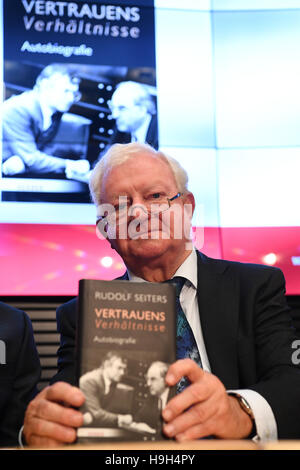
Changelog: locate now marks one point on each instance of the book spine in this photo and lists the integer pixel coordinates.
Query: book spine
(83, 301)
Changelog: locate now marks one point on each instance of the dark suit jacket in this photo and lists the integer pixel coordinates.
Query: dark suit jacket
(22, 124)
(151, 136)
(247, 333)
(19, 374)
(93, 386)
(150, 413)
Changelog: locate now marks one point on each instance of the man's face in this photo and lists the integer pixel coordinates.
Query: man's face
(155, 381)
(128, 114)
(116, 369)
(141, 180)
(59, 92)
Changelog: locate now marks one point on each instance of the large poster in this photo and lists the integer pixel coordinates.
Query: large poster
(78, 77)
(221, 79)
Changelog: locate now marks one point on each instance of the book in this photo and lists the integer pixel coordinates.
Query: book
(126, 341)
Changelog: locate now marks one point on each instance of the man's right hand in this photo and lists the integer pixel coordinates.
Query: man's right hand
(50, 419)
(13, 165)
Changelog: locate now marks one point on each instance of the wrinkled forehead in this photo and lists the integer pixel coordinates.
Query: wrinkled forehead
(126, 96)
(145, 167)
(154, 373)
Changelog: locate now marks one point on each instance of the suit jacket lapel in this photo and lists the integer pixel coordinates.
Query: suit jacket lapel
(218, 309)
(38, 117)
(152, 134)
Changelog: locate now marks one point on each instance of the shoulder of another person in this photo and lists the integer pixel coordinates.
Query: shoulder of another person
(12, 316)
(70, 306)
(15, 333)
(67, 312)
(25, 102)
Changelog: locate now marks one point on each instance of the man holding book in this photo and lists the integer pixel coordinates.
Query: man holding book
(242, 381)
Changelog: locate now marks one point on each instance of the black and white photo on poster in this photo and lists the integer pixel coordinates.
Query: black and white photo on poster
(124, 397)
(66, 102)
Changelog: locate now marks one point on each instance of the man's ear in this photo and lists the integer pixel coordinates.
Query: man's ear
(189, 199)
(111, 236)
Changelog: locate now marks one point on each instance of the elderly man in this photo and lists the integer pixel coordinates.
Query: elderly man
(150, 413)
(242, 381)
(133, 108)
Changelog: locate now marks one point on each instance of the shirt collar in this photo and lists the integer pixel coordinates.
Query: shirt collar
(164, 397)
(141, 133)
(46, 113)
(107, 383)
(188, 270)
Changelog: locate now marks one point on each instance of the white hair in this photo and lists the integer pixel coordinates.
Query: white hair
(138, 92)
(120, 153)
(159, 366)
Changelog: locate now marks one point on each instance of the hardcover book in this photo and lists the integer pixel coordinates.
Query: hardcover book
(126, 340)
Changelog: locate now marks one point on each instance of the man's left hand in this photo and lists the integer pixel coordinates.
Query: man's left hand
(204, 408)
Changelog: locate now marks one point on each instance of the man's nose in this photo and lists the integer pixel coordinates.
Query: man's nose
(137, 209)
(115, 112)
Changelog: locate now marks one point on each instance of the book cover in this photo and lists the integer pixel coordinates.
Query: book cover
(126, 340)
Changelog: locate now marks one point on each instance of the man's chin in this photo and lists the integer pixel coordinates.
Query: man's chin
(148, 248)
(122, 127)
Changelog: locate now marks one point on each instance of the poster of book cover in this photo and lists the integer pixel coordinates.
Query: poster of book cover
(78, 77)
(125, 344)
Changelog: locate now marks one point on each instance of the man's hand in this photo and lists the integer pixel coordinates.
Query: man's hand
(13, 166)
(124, 420)
(50, 420)
(142, 427)
(204, 408)
(78, 170)
(87, 418)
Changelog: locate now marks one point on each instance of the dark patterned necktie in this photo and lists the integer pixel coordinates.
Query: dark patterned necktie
(186, 346)
(49, 134)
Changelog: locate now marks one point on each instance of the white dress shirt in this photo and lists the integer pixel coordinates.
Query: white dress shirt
(140, 134)
(46, 113)
(107, 384)
(164, 398)
(264, 418)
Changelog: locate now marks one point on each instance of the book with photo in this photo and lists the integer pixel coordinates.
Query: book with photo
(126, 340)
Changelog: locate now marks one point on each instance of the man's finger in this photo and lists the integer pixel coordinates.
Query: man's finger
(199, 413)
(182, 401)
(49, 430)
(48, 418)
(66, 393)
(196, 432)
(203, 386)
(181, 368)
(52, 411)
(40, 441)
